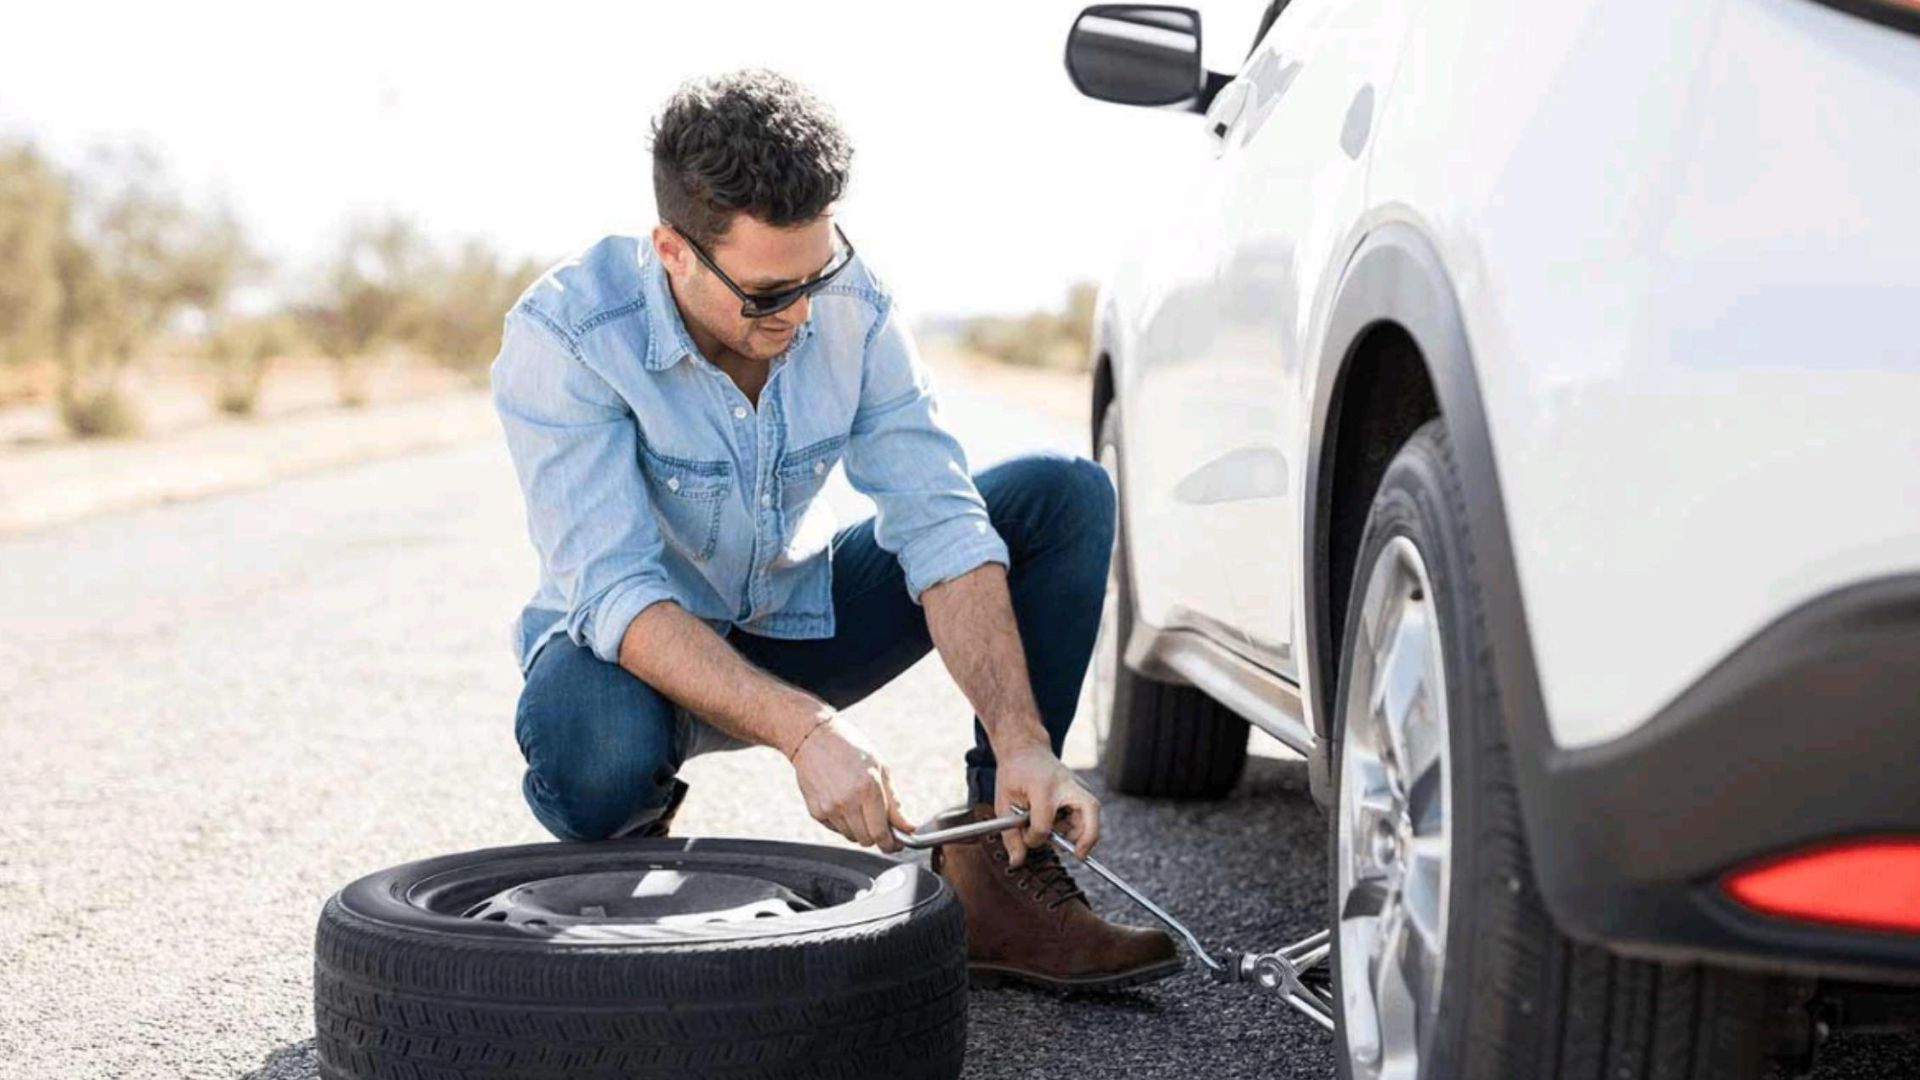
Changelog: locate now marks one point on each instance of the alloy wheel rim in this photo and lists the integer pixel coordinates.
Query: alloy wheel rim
(1394, 830)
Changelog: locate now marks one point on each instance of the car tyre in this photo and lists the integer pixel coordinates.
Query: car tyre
(642, 958)
(1516, 998)
(1158, 739)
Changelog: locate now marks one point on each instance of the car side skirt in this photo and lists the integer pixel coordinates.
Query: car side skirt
(1265, 700)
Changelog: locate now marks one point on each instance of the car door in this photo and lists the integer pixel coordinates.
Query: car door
(1167, 406)
(1291, 134)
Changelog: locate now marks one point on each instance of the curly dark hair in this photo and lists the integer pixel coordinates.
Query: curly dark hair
(753, 141)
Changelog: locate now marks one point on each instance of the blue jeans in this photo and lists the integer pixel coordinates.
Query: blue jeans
(602, 746)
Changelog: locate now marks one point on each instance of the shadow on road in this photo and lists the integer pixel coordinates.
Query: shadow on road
(294, 1061)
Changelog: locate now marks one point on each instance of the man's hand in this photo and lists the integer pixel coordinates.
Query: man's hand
(1031, 776)
(847, 787)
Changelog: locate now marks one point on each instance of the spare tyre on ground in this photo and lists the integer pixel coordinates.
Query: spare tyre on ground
(691, 957)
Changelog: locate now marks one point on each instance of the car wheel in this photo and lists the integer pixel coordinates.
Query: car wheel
(1445, 963)
(642, 958)
(1156, 738)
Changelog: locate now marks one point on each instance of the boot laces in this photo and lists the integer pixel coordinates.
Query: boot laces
(1050, 877)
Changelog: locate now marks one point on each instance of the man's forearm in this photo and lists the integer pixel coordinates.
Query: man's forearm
(683, 658)
(971, 620)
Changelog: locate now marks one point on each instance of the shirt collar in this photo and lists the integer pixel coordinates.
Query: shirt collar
(668, 339)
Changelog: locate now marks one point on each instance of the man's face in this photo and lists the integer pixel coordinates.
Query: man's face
(759, 258)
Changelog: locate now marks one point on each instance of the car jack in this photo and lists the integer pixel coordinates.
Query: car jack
(1296, 972)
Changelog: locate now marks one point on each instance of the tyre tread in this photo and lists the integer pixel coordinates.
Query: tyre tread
(881, 999)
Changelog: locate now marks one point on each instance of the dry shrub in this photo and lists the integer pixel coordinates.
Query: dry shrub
(242, 352)
(99, 414)
(353, 385)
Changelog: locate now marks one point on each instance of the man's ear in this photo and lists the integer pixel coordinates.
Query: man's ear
(671, 249)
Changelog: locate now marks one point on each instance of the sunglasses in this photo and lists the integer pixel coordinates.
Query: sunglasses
(760, 305)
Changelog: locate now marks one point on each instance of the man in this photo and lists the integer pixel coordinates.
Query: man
(673, 407)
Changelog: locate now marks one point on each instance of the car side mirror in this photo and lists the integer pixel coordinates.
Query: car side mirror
(1140, 54)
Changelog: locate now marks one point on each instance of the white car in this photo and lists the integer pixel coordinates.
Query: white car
(1521, 419)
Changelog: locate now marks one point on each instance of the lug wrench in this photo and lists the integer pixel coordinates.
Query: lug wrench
(1283, 971)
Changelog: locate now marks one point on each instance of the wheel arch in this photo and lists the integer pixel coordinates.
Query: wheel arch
(1102, 396)
(1381, 394)
(1395, 354)
(1106, 395)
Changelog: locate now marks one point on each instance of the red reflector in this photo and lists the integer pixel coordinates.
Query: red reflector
(1866, 883)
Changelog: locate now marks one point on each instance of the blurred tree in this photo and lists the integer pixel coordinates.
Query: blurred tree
(214, 256)
(1057, 339)
(90, 322)
(1081, 297)
(373, 296)
(242, 350)
(34, 223)
(136, 256)
(467, 302)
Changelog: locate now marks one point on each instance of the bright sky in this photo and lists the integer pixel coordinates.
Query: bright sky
(982, 180)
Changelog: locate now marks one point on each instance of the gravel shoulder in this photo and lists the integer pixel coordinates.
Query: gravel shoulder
(46, 486)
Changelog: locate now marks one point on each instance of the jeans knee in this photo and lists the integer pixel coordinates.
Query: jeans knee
(588, 797)
(1091, 494)
(599, 745)
(1054, 497)
(1081, 499)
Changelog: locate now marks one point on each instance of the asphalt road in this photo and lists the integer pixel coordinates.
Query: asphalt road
(214, 714)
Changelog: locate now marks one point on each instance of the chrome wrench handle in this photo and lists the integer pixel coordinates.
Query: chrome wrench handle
(969, 831)
(1018, 818)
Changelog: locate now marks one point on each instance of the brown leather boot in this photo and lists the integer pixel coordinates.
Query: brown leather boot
(1033, 924)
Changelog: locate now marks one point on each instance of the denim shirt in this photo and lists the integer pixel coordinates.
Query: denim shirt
(649, 476)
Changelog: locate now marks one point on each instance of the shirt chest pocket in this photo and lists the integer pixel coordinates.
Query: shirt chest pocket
(805, 470)
(687, 497)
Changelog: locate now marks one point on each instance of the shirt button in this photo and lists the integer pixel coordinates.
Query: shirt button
(739, 412)
(819, 467)
(673, 483)
(766, 500)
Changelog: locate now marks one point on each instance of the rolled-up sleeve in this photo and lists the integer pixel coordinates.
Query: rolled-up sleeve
(927, 511)
(574, 448)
